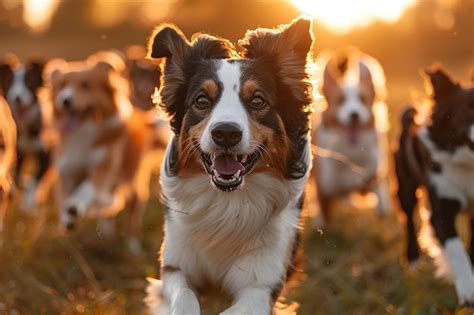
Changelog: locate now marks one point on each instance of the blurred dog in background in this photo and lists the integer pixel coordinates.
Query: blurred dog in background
(144, 77)
(350, 133)
(102, 142)
(438, 155)
(7, 156)
(20, 85)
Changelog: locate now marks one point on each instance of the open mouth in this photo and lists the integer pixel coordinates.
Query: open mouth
(228, 170)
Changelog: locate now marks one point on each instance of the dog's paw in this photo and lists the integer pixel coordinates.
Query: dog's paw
(185, 303)
(154, 298)
(236, 310)
(465, 291)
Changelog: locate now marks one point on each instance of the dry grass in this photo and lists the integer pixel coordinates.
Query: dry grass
(353, 267)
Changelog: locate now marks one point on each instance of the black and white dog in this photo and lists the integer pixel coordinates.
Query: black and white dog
(20, 84)
(439, 155)
(235, 170)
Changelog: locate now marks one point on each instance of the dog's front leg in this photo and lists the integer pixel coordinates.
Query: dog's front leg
(252, 301)
(180, 298)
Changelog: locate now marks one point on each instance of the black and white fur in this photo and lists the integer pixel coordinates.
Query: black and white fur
(237, 234)
(439, 156)
(20, 84)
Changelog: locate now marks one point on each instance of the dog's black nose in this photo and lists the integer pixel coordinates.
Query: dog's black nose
(67, 102)
(355, 118)
(226, 134)
(70, 226)
(17, 100)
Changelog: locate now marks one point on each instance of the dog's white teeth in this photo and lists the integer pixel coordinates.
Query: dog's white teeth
(236, 175)
(244, 159)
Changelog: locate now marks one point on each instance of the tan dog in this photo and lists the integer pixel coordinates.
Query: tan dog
(7, 155)
(351, 135)
(102, 141)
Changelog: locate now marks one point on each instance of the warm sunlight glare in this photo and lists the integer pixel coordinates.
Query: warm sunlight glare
(343, 15)
(37, 14)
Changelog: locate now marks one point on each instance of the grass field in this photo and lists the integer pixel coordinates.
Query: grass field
(353, 267)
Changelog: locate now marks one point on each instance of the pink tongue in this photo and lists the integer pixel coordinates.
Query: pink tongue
(226, 164)
(353, 135)
(70, 123)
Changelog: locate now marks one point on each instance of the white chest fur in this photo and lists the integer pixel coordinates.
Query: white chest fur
(232, 239)
(456, 179)
(343, 166)
(75, 152)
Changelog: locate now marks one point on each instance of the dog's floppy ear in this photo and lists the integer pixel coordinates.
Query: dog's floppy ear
(54, 69)
(35, 69)
(168, 41)
(287, 47)
(440, 83)
(295, 38)
(6, 71)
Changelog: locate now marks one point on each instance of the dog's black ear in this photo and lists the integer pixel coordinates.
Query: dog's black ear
(441, 84)
(34, 73)
(287, 47)
(6, 71)
(168, 41)
(295, 38)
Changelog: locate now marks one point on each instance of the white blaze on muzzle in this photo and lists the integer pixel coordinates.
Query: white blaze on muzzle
(229, 109)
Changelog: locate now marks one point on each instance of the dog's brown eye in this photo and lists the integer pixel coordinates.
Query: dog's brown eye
(257, 103)
(202, 102)
(85, 85)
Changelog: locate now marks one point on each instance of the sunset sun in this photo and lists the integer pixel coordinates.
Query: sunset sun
(343, 15)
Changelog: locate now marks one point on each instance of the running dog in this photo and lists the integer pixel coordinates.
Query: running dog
(235, 170)
(350, 138)
(439, 156)
(101, 147)
(20, 84)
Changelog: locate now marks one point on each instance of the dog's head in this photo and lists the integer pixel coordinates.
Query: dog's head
(233, 115)
(452, 116)
(350, 91)
(20, 84)
(85, 91)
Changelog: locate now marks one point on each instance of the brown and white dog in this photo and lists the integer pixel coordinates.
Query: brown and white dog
(235, 171)
(102, 144)
(438, 155)
(7, 156)
(20, 84)
(350, 136)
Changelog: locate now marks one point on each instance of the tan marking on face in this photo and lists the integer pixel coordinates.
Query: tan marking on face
(248, 89)
(189, 161)
(275, 159)
(211, 89)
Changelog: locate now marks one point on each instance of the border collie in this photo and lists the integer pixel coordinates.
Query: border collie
(101, 147)
(7, 156)
(350, 137)
(235, 170)
(20, 85)
(439, 156)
